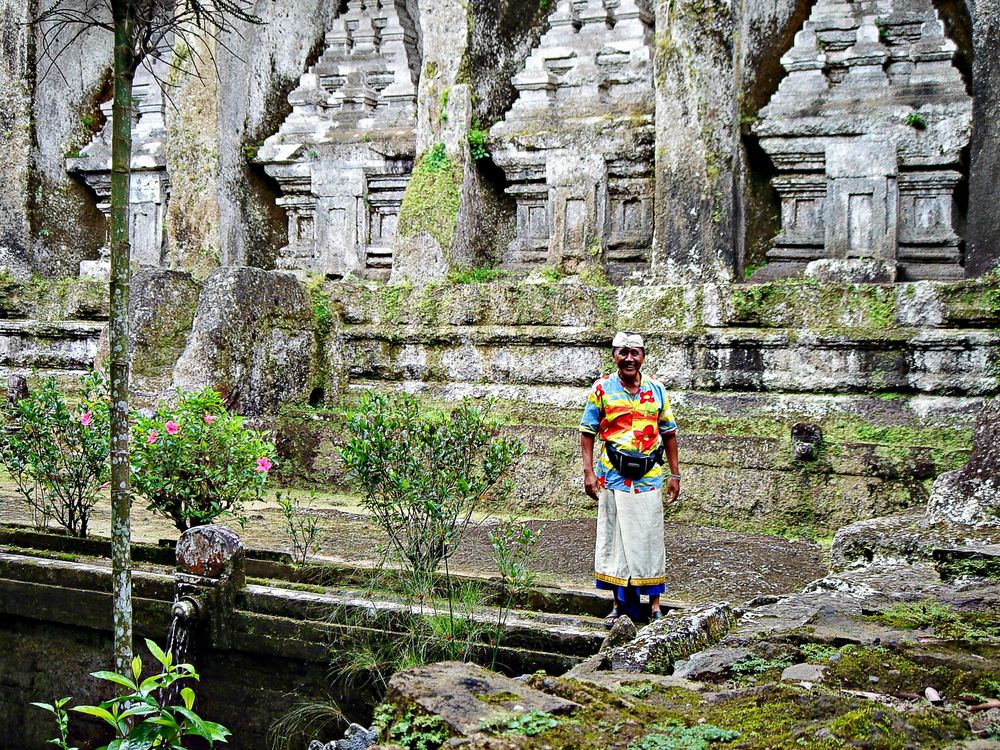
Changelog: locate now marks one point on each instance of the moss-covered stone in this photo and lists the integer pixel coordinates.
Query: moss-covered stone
(432, 198)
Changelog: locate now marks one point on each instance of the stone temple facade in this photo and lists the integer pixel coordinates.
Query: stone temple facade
(867, 133)
(149, 187)
(577, 146)
(343, 156)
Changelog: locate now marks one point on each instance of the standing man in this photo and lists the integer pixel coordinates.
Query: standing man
(632, 415)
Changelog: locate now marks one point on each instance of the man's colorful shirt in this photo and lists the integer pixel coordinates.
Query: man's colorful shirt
(633, 423)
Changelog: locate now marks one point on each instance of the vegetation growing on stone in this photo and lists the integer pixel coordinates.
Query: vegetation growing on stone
(527, 724)
(479, 275)
(942, 619)
(432, 198)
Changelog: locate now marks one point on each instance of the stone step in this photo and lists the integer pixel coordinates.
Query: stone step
(929, 361)
(58, 346)
(288, 621)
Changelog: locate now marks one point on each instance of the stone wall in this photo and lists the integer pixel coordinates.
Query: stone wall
(891, 374)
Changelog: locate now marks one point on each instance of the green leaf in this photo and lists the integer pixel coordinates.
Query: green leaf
(187, 695)
(136, 666)
(101, 713)
(157, 652)
(115, 678)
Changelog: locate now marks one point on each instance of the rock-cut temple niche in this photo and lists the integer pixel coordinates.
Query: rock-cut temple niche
(866, 133)
(343, 156)
(577, 145)
(149, 184)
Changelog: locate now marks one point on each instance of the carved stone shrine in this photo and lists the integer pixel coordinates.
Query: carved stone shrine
(577, 145)
(149, 187)
(345, 153)
(867, 133)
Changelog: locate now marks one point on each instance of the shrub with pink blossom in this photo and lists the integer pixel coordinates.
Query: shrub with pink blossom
(194, 461)
(56, 452)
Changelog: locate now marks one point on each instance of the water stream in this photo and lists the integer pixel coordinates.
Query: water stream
(185, 613)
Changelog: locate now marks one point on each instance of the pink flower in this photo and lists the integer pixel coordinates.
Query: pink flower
(86, 418)
(263, 465)
(151, 437)
(209, 418)
(105, 485)
(172, 427)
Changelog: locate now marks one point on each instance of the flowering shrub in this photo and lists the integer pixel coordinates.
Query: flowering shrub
(57, 454)
(194, 461)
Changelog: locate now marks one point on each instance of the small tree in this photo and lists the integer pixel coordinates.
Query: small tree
(194, 461)
(422, 476)
(57, 454)
(139, 29)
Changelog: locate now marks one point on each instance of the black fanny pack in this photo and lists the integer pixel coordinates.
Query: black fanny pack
(632, 464)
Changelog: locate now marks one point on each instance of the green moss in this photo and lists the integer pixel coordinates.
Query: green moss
(429, 305)
(323, 317)
(882, 308)
(985, 567)
(432, 198)
(392, 301)
(945, 621)
(753, 303)
(497, 699)
(479, 275)
(911, 668)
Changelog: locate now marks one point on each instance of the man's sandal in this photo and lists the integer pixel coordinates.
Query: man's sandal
(657, 615)
(612, 617)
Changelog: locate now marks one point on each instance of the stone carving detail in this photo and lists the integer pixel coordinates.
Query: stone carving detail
(866, 132)
(150, 185)
(344, 154)
(577, 145)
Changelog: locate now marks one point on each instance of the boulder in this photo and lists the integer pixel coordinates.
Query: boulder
(971, 495)
(466, 696)
(622, 632)
(161, 311)
(252, 340)
(713, 663)
(675, 636)
(803, 673)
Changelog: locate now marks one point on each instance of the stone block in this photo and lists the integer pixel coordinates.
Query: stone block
(465, 695)
(675, 636)
(803, 673)
(252, 340)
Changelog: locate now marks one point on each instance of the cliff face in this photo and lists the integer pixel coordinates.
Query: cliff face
(570, 67)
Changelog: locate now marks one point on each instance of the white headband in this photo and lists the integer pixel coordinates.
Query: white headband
(629, 340)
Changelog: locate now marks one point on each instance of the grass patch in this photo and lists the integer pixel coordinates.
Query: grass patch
(475, 275)
(942, 619)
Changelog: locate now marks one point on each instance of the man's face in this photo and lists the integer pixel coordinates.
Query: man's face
(628, 360)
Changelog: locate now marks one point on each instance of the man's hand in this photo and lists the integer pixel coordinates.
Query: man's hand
(673, 490)
(590, 484)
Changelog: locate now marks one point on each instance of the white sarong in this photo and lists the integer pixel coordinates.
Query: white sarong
(630, 538)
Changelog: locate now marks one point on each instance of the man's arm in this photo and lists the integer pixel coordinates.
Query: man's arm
(670, 448)
(590, 484)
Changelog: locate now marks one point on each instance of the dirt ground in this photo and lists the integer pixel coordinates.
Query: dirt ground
(703, 563)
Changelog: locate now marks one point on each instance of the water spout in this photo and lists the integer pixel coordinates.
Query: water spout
(186, 613)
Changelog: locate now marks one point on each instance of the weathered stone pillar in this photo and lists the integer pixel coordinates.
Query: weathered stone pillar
(15, 137)
(210, 573)
(696, 141)
(437, 201)
(982, 252)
